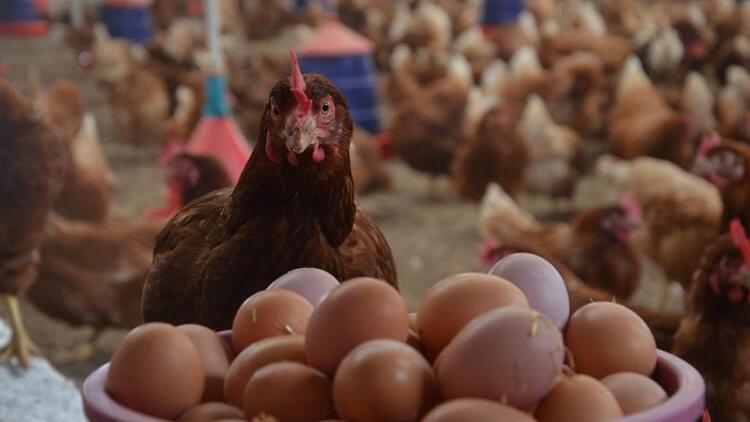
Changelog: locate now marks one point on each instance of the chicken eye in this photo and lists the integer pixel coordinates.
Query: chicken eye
(275, 110)
(325, 108)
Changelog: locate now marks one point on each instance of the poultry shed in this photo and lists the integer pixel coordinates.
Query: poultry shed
(166, 165)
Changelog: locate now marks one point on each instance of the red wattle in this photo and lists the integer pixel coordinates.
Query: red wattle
(270, 152)
(292, 158)
(319, 154)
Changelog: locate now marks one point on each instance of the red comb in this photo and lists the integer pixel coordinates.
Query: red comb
(631, 205)
(740, 239)
(709, 142)
(298, 84)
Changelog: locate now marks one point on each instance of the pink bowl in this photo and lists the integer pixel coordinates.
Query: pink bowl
(681, 381)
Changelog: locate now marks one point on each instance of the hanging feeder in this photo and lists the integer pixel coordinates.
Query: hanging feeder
(128, 19)
(345, 58)
(19, 18)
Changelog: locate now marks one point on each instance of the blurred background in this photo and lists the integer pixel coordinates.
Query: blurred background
(555, 106)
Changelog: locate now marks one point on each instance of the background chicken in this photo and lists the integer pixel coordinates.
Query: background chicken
(595, 245)
(369, 171)
(641, 122)
(290, 209)
(32, 162)
(712, 336)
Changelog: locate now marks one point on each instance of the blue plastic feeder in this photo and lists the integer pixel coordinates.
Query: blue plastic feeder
(500, 12)
(18, 18)
(127, 19)
(345, 58)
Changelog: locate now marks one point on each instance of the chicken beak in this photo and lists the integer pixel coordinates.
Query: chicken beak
(299, 141)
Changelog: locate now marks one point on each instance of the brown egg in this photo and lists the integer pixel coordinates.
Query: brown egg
(215, 357)
(579, 398)
(270, 313)
(451, 303)
(384, 380)
(156, 370)
(606, 338)
(634, 392)
(290, 392)
(356, 311)
(476, 410)
(211, 412)
(258, 355)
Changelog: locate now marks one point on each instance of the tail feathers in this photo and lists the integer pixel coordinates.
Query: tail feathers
(632, 76)
(495, 77)
(501, 217)
(698, 100)
(525, 64)
(88, 153)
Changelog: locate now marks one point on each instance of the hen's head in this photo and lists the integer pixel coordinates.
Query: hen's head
(724, 277)
(306, 121)
(720, 164)
(615, 223)
(192, 176)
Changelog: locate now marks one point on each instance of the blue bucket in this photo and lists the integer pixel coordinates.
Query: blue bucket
(354, 76)
(500, 12)
(130, 22)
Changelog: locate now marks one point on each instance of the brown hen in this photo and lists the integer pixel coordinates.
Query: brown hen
(292, 207)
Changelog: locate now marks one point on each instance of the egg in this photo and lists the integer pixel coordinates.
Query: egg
(539, 281)
(634, 392)
(156, 370)
(211, 412)
(359, 310)
(511, 355)
(311, 283)
(384, 380)
(579, 398)
(606, 338)
(476, 410)
(451, 303)
(215, 356)
(258, 355)
(290, 392)
(270, 313)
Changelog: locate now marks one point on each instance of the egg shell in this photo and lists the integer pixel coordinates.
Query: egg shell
(156, 370)
(359, 310)
(258, 355)
(270, 313)
(579, 398)
(476, 410)
(384, 380)
(413, 322)
(311, 283)
(540, 282)
(215, 356)
(210, 412)
(606, 338)
(290, 392)
(511, 355)
(634, 392)
(451, 303)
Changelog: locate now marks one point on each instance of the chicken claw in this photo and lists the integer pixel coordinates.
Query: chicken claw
(20, 345)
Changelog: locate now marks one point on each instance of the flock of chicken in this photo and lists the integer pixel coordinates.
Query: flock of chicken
(504, 111)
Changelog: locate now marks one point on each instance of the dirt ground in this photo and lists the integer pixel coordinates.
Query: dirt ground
(431, 237)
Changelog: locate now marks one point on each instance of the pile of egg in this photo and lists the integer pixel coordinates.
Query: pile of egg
(498, 346)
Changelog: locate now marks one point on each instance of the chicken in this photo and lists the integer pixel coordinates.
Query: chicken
(429, 26)
(189, 177)
(368, 168)
(713, 336)
(698, 102)
(292, 207)
(495, 153)
(428, 129)
(32, 167)
(595, 245)
(265, 19)
(725, 164)
(412, 72)
(87, 191)
(641, 122)
(92, 274)
(681, 214)
(555, 152)
(139, 98)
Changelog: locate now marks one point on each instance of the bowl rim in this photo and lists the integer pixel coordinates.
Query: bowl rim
(686, 404)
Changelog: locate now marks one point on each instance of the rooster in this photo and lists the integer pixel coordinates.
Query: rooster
(32, 167)
(595, 245)
(292, 207)
(712, 336)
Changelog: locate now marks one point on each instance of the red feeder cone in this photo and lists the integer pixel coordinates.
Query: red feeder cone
(18, 18)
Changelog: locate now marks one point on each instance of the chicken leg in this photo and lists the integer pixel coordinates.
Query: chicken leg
(20, 345)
